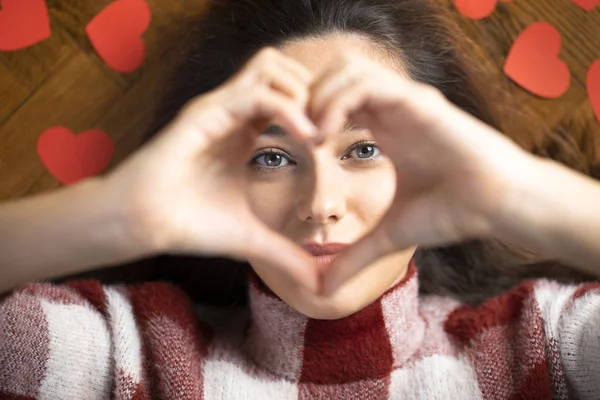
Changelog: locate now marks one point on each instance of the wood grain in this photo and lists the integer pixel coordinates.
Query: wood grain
(62, 81)
(75, 96)
(36, 63)
(12, 93)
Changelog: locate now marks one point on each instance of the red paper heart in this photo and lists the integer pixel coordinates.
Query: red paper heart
(116, 34)
(587, 5)
(533, 61)
(593, 87)
(476, 9)
(71, 157)
(23, 23)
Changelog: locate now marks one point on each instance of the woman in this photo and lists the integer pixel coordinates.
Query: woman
(324, 169)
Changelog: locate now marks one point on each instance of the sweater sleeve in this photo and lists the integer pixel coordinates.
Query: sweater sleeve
(83, 340)
(571, 316)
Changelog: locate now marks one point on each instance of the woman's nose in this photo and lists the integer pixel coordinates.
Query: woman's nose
(323, 197)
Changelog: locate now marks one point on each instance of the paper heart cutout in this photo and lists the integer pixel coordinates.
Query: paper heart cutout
(533, 61)
(71, 157)
(587, 5)
(23, 23)
(477, 9)
(116, 34)
(593, 87)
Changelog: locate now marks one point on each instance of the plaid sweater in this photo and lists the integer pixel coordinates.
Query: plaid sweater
(88, 341)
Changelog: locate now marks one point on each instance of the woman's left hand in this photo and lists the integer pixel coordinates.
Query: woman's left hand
(454, 173)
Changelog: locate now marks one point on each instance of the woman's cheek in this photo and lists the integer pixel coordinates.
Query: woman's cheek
(377, 199)
(270, 201)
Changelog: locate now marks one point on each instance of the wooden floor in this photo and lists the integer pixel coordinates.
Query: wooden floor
(61, 81)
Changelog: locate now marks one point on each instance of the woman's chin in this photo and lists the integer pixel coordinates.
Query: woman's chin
(351, 297)
(328, 308)
(348, 299)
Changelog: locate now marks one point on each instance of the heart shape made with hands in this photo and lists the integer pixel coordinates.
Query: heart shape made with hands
(477, 9)
(116, 34)
(587, 5)
(71, 158)
(593, 87)
(23, 23)
(533, 61)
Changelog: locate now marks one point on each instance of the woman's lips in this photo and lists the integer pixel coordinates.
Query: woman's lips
(324, 253)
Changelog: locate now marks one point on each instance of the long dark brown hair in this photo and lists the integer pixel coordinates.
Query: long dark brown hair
(424, 38)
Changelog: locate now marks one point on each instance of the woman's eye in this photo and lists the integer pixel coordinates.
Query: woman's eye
(364, 151)
(271, 159)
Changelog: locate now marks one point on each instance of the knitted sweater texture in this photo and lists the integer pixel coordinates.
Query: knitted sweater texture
(87, 341)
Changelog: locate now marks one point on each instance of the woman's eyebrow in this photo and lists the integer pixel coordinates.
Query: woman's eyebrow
(274, 130)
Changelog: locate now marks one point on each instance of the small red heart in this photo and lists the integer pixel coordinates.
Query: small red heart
(116, 34)
(587, 5)
(71, 157)
(533, 61)
(593, 87)
(476, 9)
(23, 23)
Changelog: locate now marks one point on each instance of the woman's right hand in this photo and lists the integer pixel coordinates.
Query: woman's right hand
(185, 189)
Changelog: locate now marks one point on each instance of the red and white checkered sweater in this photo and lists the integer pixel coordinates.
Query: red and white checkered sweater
(88, 341)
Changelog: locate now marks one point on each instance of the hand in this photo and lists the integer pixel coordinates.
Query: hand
(186, 187)
(452, 170)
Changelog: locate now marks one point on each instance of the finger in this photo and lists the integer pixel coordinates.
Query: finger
(273, 105)
(328, 86)
(270, 248)
(342, 105)
(302, 73)
(360, 255)
(253, 111)
(269, 56)
(275, 69)
(273, 77)
(282, 80)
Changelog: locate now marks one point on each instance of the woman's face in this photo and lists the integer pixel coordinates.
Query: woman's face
(334, 193)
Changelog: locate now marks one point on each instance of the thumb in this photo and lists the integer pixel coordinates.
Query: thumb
(368, 249)
(270, 248)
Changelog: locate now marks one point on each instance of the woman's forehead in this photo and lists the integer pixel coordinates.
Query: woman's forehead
(315, 53)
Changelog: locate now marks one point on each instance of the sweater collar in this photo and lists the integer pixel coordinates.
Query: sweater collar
(366, 345)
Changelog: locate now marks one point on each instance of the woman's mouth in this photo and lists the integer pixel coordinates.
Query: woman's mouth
(324, 253)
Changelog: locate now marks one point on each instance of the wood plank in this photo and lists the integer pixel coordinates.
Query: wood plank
(166, 25)
(32, 65)
(495, 36)
(12, 93)
(76, 95)
(579, 29)
(128, 119)
(79, 91)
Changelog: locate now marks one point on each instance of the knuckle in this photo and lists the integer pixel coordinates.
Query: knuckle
(261, 67)
(258, 66)
(264, 73)
(192, 107)
(266, 54)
